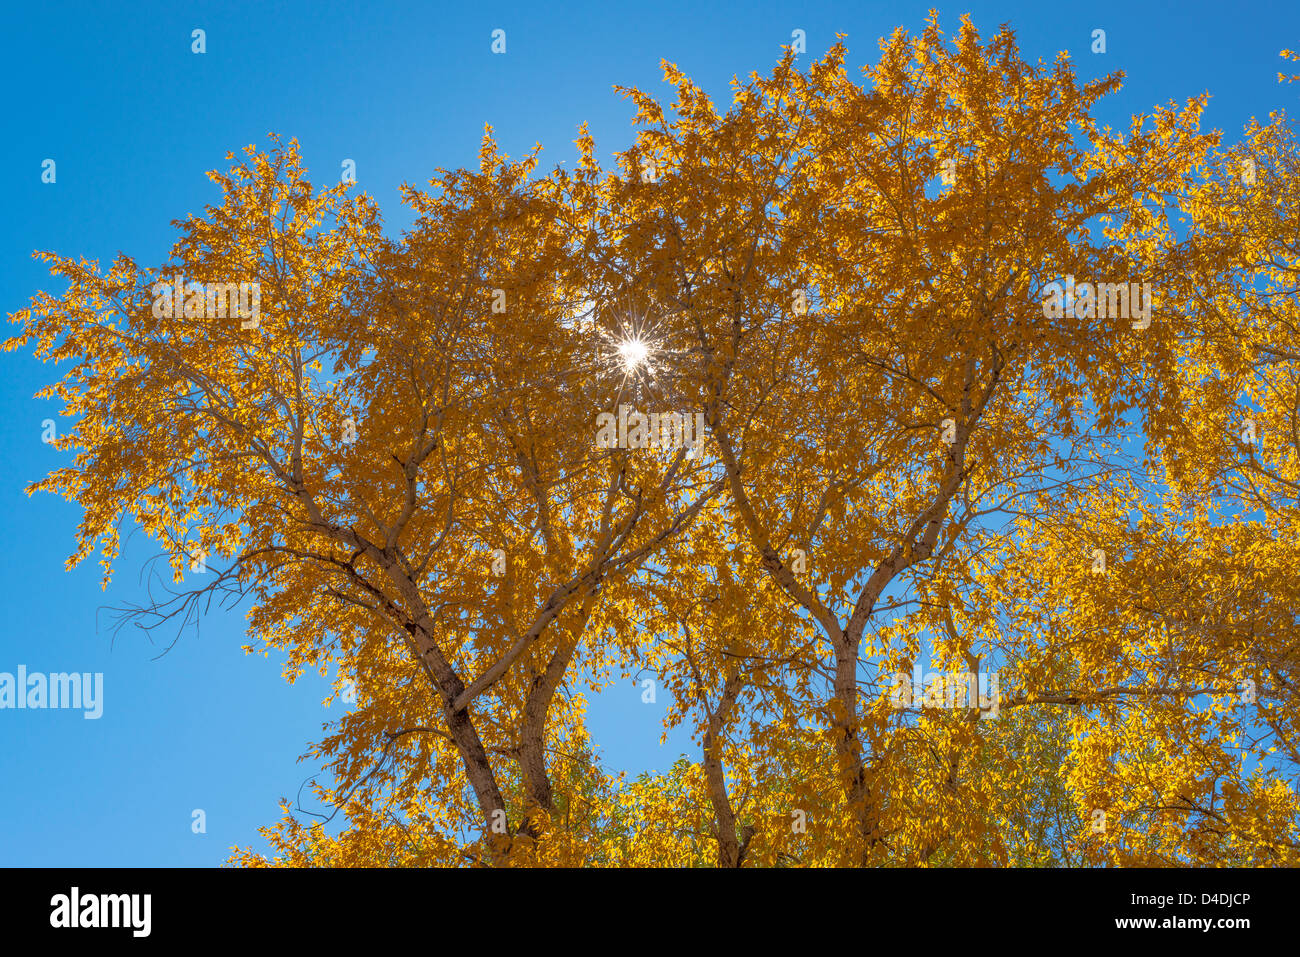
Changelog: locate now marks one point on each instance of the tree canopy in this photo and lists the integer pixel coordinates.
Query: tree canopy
(933, 448)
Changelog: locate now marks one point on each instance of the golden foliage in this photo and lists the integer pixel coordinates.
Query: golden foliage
(905, 465)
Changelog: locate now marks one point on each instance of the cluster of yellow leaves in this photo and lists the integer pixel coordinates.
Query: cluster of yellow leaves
(905, 465)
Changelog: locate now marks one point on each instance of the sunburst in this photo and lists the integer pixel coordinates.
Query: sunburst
(633, 350)
(634, 353)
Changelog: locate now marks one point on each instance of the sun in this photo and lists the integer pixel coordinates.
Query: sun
(633, 352)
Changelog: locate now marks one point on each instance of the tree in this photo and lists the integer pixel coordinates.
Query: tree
(936, 330)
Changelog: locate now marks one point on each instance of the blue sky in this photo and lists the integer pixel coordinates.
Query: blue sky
(133, 119)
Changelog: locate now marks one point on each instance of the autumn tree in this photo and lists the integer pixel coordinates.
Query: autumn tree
(983, 389)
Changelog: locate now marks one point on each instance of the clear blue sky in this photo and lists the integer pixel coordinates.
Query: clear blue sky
(133, 119)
